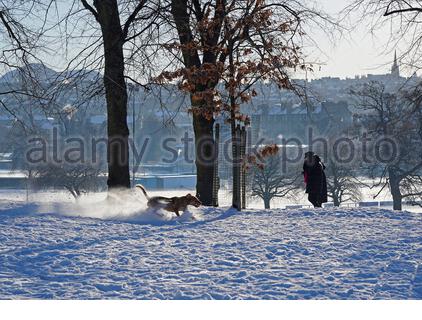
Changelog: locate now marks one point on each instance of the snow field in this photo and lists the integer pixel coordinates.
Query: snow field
(98, 250)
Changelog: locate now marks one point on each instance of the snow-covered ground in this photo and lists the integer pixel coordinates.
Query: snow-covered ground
(98, 249)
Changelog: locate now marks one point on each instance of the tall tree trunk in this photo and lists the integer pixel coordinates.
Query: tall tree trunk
(116, 94)
(203, 127)
(205, 147)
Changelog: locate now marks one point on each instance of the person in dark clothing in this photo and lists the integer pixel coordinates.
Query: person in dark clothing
(315, 179)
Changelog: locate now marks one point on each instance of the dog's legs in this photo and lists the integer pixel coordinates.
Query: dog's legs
(177, 213)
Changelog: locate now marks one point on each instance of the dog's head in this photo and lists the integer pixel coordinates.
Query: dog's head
(194, 201)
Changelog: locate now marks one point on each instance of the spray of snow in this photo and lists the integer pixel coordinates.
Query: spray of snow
(122, 205)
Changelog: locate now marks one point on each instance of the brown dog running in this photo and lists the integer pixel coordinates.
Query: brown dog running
(173, 204)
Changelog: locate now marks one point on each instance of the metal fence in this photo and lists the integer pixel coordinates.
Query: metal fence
(230, 176)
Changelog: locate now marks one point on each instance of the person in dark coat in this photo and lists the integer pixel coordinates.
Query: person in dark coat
(315, 179)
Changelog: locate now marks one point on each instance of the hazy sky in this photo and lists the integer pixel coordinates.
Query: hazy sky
(357, 53)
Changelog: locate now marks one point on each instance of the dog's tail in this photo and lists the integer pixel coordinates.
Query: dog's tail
(140, 186)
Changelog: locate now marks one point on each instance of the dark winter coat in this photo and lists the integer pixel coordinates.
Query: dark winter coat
(316, 181)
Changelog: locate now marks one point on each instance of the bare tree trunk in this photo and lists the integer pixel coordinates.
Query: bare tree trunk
(204, 145)
(267, 202)
(116, 94)
(203, 127)
(395, 190)
(397, 197)
(397, 202)
(336, 200)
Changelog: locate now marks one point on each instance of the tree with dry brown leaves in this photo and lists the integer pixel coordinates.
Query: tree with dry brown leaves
(227, 46)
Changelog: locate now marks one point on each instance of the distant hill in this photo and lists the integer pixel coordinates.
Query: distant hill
(36, 70)
(43, 74)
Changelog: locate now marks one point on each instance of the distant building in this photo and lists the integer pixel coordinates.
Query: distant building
(395, 70)
(277, 112)
(291, 122)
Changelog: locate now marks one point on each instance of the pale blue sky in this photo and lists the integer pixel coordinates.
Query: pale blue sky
(356, 53)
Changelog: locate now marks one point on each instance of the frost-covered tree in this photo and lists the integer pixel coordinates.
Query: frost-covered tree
(77, 179)
(342, 185)
(342, 170)
(270, 182)
(393, 125)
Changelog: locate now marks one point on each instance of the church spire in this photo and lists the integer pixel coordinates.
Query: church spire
(395, 71)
